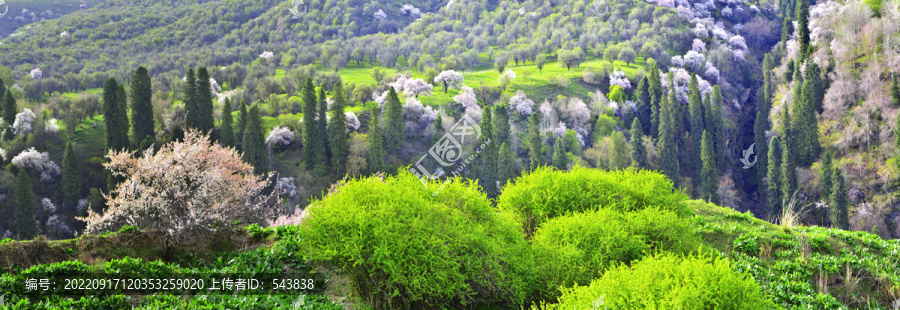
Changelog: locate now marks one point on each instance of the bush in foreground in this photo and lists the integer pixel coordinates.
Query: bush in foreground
(667, 281)
(546, 193)
(577, 248)
(404, 246)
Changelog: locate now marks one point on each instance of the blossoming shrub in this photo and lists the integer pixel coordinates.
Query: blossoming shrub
(667, 281)
(547, 193)
(408, 246)
(577, 248)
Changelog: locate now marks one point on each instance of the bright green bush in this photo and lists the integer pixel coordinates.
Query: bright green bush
(577, 248)
(668, 281)
(405, 245)
(546, 193)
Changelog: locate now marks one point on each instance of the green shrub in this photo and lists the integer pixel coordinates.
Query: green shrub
(255, 231)
(137, 267)
(546, 193)
(668, 281)
(577, 248)
(747, 244)
(405, 245)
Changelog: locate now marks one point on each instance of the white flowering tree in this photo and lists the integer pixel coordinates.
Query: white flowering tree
(185, 190)
(38, 164)
(416, 87)
(449, 78)
(24, 122)
(352, 121)
(469, 103)
(520, 102)
(280, 136)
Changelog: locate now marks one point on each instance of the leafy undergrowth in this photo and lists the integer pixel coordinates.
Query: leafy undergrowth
(805, 267)
(276, 258)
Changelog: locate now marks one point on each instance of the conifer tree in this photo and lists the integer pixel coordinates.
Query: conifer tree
(241, 123)
(656, 96)
(143, 126)
(488, 169)
(24, 225)
(506, 164)
(803, 27)
(227, 128)
(773, 178)
(309, 124)
(122, 115)
(668, 162)
(895, 92)
(709, 188)
(322, 148)
(254, 142)
(535, 142)
(787, 29)
(618, 152)
(438, 129)
(788, 162)
(717, 126)
(760, 126)
(9, 108)
(840, 202)
(638, 151)
(2, 91)
(114, 114)
(805, 127)
(815, 86)
(192, 110)
(644, 104)
(204, 100)
(827, 183)
(394, 127)
(337, 131)
(560, 160)
(697, 130)
(71, 176)
(501, 123)
(375, 160)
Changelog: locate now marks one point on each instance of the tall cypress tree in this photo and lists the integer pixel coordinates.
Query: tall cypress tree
(24, 221)
(709, 188)
(501, 123)
(241, 123)
(760, 126)
(535, 142)
(618, 152)
(143, 126)
(394, 127)
(827, 183)
(191, 101)
(787, 29)
(895, 92)
(71, 176)
(773, 178)
(322, 159)
(204, 101)
(815, 85)
(122, 115)
(438, 129)
(10, 110)
(644, 104)
(227, 128)
(375, 160)
(697, 131)
(560, 160)
(506, 165)
(114, 114)
(254, 142)
(805, 127)
(788, 162)
(337, 131)
(309, 124)
(668, 160)
(803, 27)
(656, 96)
(840, 203)
(717, 126)
(638, 151)
(488, 169)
